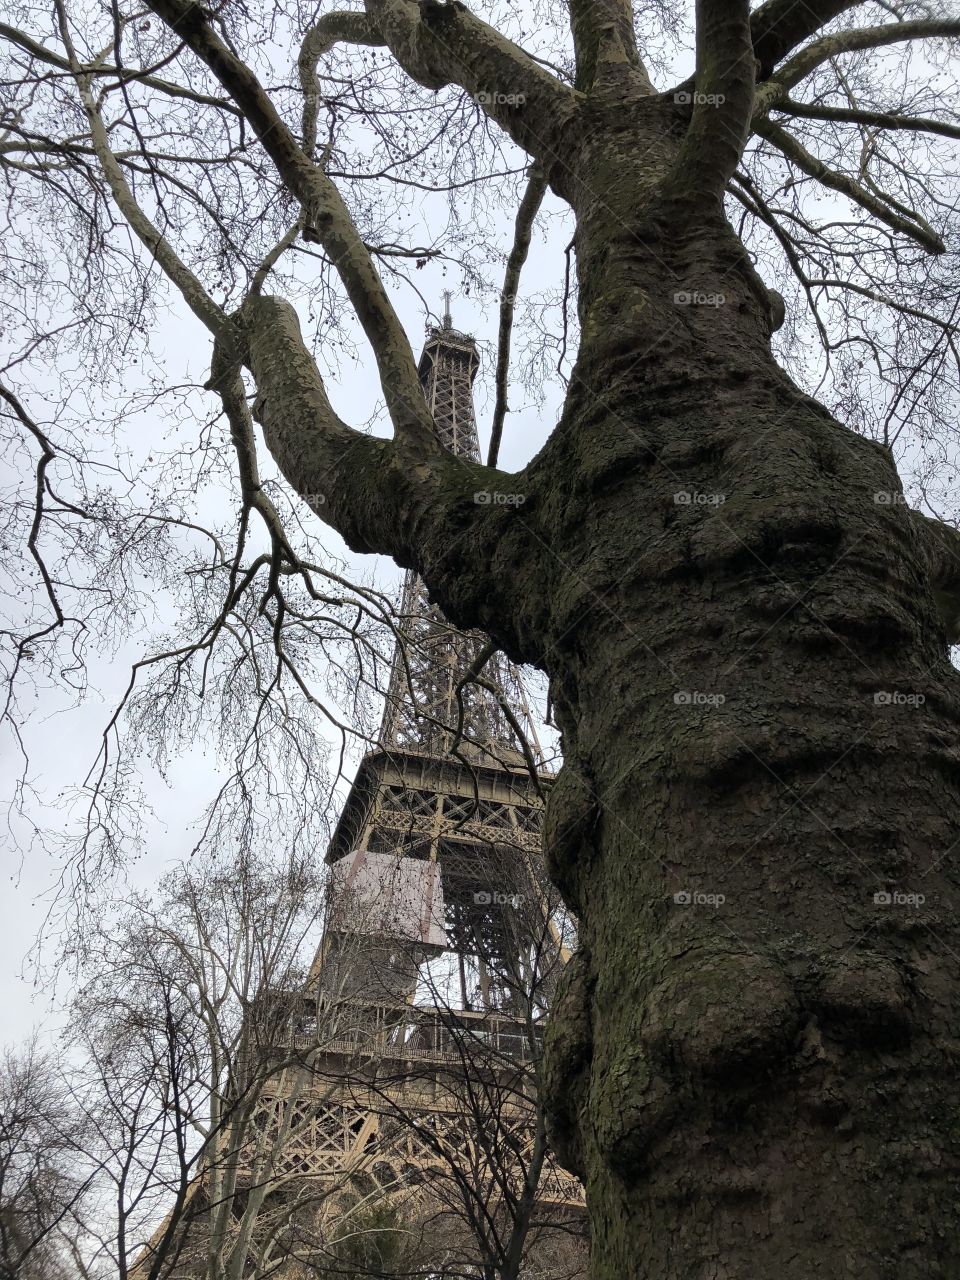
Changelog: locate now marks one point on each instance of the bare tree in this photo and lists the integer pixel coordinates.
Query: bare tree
(43, 1184)
(743, 621)
(375, 1240)
(205, 1055)
(179, 1032)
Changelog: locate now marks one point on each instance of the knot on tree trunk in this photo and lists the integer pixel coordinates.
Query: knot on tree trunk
(714, 1016)
(568, 1049)
(864, 1000)
(568, 830)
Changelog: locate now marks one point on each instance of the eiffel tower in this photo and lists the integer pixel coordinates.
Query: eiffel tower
(406, 1067)
(444, 939)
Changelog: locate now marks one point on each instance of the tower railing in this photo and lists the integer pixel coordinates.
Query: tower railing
(382, 1029)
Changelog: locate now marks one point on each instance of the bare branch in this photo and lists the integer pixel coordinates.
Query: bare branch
(355, 28)
(325, 213)
(228, 383)
(309, 441)
(807, 60)
(273, 257)
(529, 206)
(913, 226)
(446, 44)
(779, 26)
(124, 75)
(877, 119)
(194, 294)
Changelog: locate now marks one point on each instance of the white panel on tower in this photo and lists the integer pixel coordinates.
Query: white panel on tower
(389, 897)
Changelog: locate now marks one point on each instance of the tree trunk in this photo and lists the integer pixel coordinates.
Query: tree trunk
(752, 1062)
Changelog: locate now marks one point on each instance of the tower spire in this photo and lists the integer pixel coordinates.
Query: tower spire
(427, 696)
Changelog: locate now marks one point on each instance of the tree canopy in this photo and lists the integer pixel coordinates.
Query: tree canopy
(288, 180)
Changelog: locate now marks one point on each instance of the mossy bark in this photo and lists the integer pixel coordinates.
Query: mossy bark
(753, 1063)
(761, 1081)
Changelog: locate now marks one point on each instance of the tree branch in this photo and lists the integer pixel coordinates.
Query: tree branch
(605, 46)
(331, 29)
(779, 26)
(913, 226)
(47, 455)
(228, 383)
(723, 101)
(441, 44)
(271, 259)
(326, 215)
(305, 435)
(807, 60)
(370, 490)
(751, 199)
(874, 296)
(529, 206)
(193, 292)
(52, 59)
(876, 119)
(347, 27)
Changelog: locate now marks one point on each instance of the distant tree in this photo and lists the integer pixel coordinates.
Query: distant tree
(373, 1241)
(180, 1026)
(44, 1181)
(199, 1053)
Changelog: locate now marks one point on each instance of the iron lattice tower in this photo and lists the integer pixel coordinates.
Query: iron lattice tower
(444, 938)
(425, 699)
(407, 1074)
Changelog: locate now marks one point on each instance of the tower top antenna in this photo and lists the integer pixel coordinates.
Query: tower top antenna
(447, 318)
